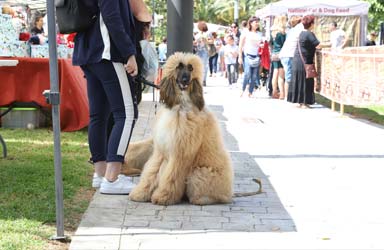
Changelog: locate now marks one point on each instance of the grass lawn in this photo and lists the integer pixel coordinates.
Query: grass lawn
(27, 187)
(372, 113)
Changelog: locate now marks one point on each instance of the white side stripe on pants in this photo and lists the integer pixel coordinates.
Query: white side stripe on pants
(128, 104)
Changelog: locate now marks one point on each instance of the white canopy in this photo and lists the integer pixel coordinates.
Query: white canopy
(315, 7)
(40, 5)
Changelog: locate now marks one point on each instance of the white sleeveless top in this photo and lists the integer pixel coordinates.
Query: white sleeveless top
(252, 42)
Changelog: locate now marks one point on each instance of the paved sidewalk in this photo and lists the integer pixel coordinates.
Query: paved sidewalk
(322, 177)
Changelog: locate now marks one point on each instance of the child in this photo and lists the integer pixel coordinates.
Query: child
(231, 52)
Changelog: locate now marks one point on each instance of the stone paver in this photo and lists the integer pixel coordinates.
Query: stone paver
(321, 174)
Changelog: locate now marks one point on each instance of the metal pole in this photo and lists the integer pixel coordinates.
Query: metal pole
(53, 97)
(363, 29)
(236, 11)
(153, 21)
(179, 26)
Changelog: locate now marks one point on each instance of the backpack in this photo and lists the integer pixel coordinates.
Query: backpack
(151, 61)
(74, 16)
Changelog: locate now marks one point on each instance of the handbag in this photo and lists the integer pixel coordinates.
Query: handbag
(275, 57)
(254, 61)
(310, 69)
(74, 16)
(151, 63)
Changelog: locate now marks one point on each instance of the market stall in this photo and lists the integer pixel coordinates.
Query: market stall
(351, 16)
(26, 82)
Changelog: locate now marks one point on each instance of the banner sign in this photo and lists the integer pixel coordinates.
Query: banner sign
(327, 11)
(354, 76)
(317, 8)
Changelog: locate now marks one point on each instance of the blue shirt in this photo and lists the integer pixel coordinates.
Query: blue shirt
(111, 37)
(162, 51)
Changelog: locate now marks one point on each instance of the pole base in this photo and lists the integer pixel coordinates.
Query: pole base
(60, 238)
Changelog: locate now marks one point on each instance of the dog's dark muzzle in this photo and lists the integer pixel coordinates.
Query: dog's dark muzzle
(184, 81)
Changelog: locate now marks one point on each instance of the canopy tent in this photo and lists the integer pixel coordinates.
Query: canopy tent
(351, 14)
(315, 7)
(39, 5)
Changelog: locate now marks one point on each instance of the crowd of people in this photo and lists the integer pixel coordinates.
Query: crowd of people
(250, 52)
(276, 61)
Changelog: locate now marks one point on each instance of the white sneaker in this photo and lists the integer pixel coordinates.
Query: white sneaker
(123, 185)
(96, 181)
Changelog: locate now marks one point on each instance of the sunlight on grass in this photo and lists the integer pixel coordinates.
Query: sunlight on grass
(39, 142)
(371, 113)
(27, 186)
(23, 234)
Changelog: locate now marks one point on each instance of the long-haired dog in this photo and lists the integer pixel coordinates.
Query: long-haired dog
(187, 154)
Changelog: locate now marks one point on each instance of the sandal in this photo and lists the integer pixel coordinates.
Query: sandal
(275, 95)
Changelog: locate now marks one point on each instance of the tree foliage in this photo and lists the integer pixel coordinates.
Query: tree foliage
(159, 7)
(212, 11)
(376, 14)
(222, 12)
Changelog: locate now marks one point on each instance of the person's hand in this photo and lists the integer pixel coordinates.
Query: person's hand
(240, 60)
(131, 66)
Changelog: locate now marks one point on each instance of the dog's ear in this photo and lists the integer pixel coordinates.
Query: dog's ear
(168, 94)
(196, 94)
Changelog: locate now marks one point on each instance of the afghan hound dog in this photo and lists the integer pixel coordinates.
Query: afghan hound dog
(185, 158)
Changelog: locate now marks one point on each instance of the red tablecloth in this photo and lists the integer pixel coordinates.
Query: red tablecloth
(27, 81)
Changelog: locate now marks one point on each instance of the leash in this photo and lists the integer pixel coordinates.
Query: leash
(146, 82)
(140, 78)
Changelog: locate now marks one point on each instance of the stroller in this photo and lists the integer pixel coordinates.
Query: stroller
(264, 73)
(265, 63)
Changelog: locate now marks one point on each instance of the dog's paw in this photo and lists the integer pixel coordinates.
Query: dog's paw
(162, 198)
(139, 195)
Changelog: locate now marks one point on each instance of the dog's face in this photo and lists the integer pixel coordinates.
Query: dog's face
(182, 75)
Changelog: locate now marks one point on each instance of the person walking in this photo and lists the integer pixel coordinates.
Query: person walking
(106, 53)
(201, 45)
(249, 45)
(231, 51)
(221, 59)
(235, 32)
(213, 49)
